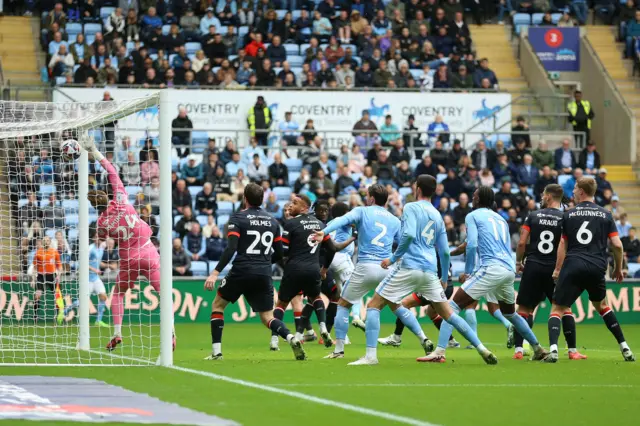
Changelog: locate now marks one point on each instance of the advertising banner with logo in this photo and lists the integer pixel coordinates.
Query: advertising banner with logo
(226, 110)
(191, 303)
(557, 48)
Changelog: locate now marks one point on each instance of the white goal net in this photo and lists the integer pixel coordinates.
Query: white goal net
(80, 235)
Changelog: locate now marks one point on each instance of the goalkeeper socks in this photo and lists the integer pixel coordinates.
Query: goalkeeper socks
(306, 316)
(321, 314)
(331, 314)
(569, 330)
(278, 328)
(74, 305)
(410, 320)
(217, 324)
(342, 327)
(470, 317)
(520, 324)
(399, 327)
(609, 318)
(102, 305)
(372, 332)
(497, 314)
(518, 339)
(277, 313)
(298, 322)
(554, 325)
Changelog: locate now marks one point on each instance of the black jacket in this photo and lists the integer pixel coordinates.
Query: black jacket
(204, 201)
(181, 123)
(582, 159)
(278, 171)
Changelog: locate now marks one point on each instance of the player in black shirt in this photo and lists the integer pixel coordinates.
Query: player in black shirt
(302, 271)
(255, 236)
(415, 300)
(582, 263)
(543, 230)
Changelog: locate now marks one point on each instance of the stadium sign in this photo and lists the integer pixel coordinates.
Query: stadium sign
(191, 303)
(222, 112)
(557, 48)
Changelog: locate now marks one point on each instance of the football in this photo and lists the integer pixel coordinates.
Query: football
(70, 150)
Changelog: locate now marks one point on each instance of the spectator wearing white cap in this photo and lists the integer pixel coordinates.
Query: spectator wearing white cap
(615, 208)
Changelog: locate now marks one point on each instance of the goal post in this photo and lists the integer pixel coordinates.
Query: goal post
(50, 308)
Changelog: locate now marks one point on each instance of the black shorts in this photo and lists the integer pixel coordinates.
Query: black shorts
(536, 285)
(328, 286)
(448, 292)
(257, 289)
(577, 276)
(296, 281)
(46, 282)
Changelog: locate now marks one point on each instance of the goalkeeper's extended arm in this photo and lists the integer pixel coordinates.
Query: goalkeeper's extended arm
(117, 187)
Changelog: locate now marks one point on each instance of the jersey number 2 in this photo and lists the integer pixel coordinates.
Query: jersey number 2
(376, 240)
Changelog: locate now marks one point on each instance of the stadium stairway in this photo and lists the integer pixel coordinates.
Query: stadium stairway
(610, 52)
(21, 57)
(627, 187)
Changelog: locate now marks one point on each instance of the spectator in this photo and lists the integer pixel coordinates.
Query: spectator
(454, 155)
(356, 160)
(54, 45)
(615, 208)
(61, 62)
(389, 132)
(381, 24)
(259, 121)
(627, 13)
(527, 174)
(53, 215)
(372, 154)
(564, 159)
(56, 16)
(483, 72)
(181, 262)
(256, 170)
(364, 130)
(453, 184)
(322, 185)
(522, 197)
(215, 245)
(209, 20)
(181, 197)
(276, 52)
(505, 194)
(289, 129)
(222, 185)
(149, 169)
(251, 150)
(542, 156)
(322, 163)
(130, 171)
(382, 75)
(516, 155)
(213, 162)
(107, 72)
(358, 23)
(523, 131)
(149, 219)
(206, 200)
(194, 243)
(132, 29)
(426, 167)
(589, 159)
(255, 46)
(278, 172)
(233, 166)
(631, 245)
(84, 72)
(571, 182)
(482, 157)
(29, 212)
(192, 171)
(383, 169)
(411, 136)
(303, 182)
(227, 11)
(303, 26)
(470, 180)
(238, 182)
(462, 80)
(442, 79)
(546, 178)
(246, 12)
(344, 72)
(344, 184)
(403, 176)
(438, 130)
(602, 182)
(623, 226)
(565, 20)
(461, 211)
(580, 116)
(366, 180)
(227, 152)
(399, 153)
(181, 139)
(151, 195)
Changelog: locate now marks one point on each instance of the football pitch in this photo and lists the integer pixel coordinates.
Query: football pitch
(254, 386)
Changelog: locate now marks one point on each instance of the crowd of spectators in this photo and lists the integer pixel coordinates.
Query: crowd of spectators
(415, 44)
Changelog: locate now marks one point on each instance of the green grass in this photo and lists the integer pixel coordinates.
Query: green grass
(463, 391)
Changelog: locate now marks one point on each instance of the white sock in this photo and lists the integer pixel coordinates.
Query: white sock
(481, 348)
(624, 346)
(310, 332)
(422, 337)
(339, 345)
(274, 339)
(397, 337)
(573, 350)
(372, 353)
(118, 329)
(323, 328)
(553, 348)
(519, 349)
(217, 348)
(289, 337)
(299, 336)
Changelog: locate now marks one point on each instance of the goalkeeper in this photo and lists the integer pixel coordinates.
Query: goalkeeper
(119, 220)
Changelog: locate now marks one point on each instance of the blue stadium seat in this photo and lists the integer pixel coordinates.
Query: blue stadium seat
(176, 219)
(295, 61)
(193, 190)
(282, 192)
(200, 140)
(45, 190)
(416, 74)
(555, 17)
(51, 233)
(71, 220)
(242, 31)
(73, 235)
(536, 18)
(562, 179)
(293, 176)
(202, 219)
(105, 12)
(133, 190)
(90, 38)
(166, 29)
(225, 207)
(414, 163)
(356, 176)
(292, 49)
(353, 47)
(280, 13)
(295, 14)
(93, 217)
(293, 164)
(303, 47)
(199, 268)
(453, 205)
(192, 47)
(633, 268)
(60, 80)
(22, 202)
(404, 191)
(70, 206)
(212, 265)
(521, 20)
(440, 177)
(91, 29)
(72, 29)
(222, 220)
(457, 268)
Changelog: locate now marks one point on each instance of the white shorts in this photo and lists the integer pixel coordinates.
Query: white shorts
(342, 271)
(402, 281)
(494, 282)
(97, 287)
(365, 277)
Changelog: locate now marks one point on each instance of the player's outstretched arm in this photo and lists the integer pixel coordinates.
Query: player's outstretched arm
(343, 245)
(117, 187)
(351, 218)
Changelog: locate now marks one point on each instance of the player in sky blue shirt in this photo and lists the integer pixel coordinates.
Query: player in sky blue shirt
(95, 256)
(488, 233)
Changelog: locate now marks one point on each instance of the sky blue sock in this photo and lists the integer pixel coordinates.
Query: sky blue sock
(410, 320)
(463, 328)
(72, 306)
(470, 316)
(102, 304)
(341, 323)
(498, 315)
(355, 309)
(445, 332)
(523, 328)
(372, 327)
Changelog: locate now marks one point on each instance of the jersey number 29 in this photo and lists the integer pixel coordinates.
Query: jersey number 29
(266, 239)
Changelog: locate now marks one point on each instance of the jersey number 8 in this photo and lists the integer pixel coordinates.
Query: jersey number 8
(545, 246)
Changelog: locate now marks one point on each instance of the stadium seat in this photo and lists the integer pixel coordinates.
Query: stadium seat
(22, 202)
(536, 18)
(414, 163)
(562, 179)
(280, 13)
(212, 265)
(225, 207)
(222, 220)
(457, 268)
(73, 29)
(200, 140)
(633, 268)
(295, 61)
(199, 268)
(71, 220)
(282, 192)
(440, 177)
(416, 74)
(73, 235)
(521, 20)
(51, 233)
(356, 177)
(404, 191)
(70, 206)
(242, 31)
(166, 29)
(555, 17)
(293, 176)
(192, 47)
(453, 205)
(295, 14)
(194, 190)
(92, 29)
(353, 47)
(292, 49)
(90, 38)
(105, 12)
(293, 164)
(133, 190)
(45, 190)
(60, 80)
(202, 219)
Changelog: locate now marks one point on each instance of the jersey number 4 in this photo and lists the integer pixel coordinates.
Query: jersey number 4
(428, 232)
(265, 239)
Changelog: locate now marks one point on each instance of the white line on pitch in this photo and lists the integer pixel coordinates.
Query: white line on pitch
(454, 385)
(310, 398)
